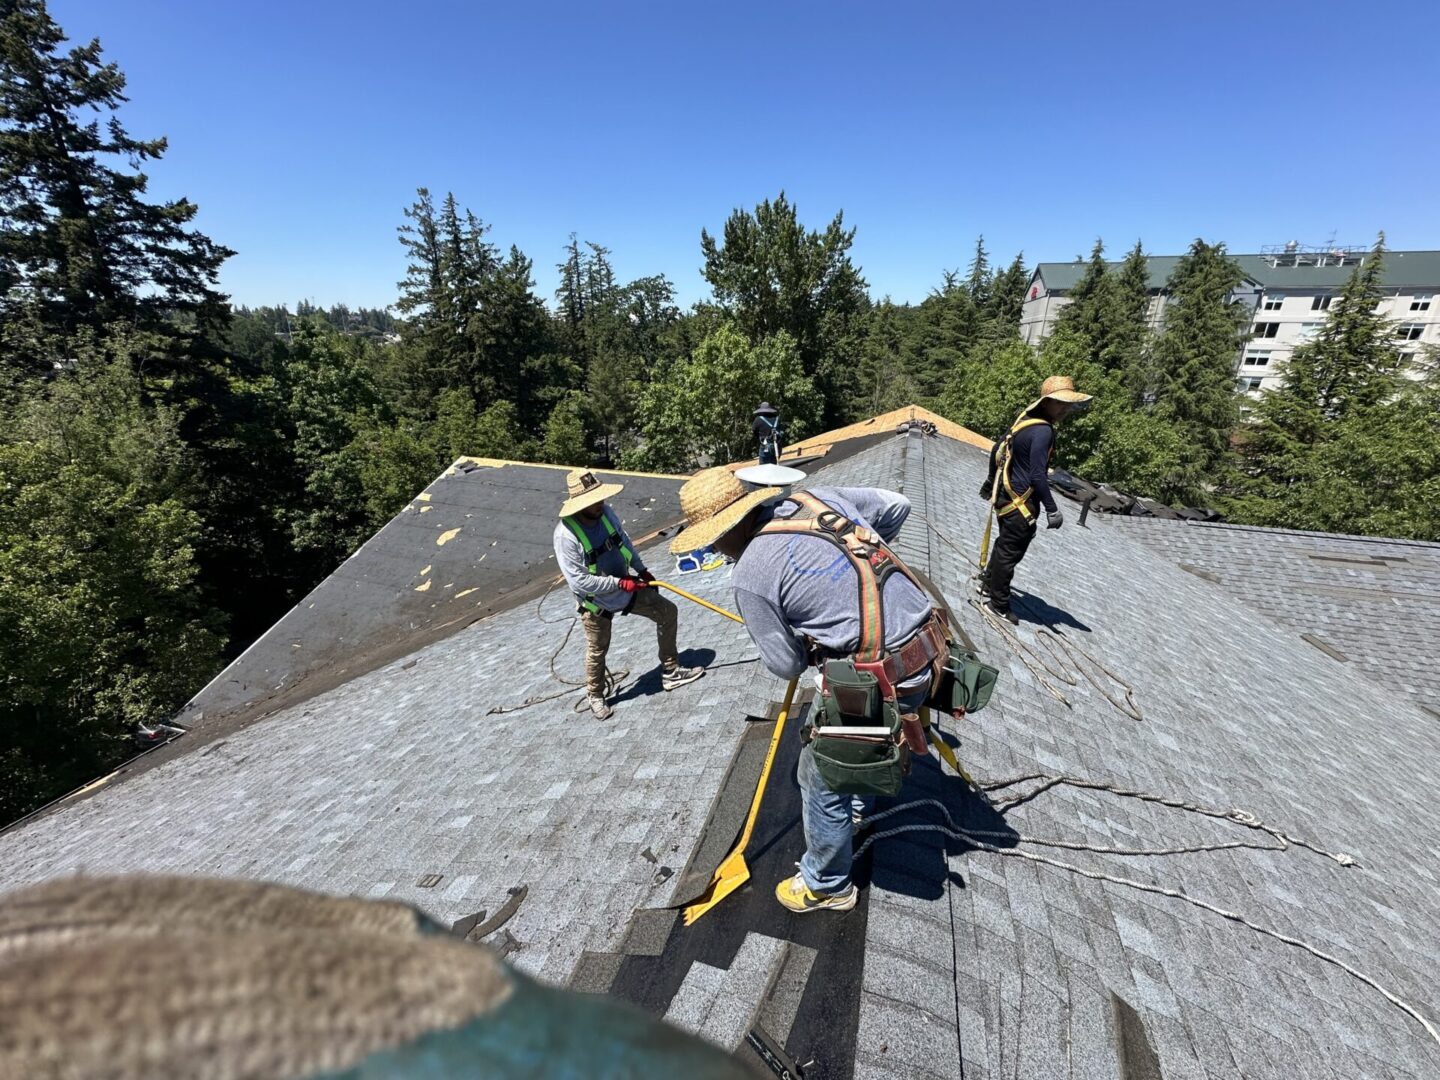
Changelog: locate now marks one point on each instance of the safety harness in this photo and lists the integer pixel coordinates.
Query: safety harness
(613, 540)
(1019, 501)
(770, 441)
(1004, 458)
(874, 563)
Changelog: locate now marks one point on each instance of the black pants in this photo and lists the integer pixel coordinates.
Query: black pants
(1015, 536)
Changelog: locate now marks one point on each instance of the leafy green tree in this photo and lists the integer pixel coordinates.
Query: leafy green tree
(102, 626)
(702, 408)
(987, 392)
(1194, 364)
(770, 275)
(565, 441)
(80, 246)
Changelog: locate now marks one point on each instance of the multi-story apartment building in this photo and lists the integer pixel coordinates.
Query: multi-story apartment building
(1288, 288)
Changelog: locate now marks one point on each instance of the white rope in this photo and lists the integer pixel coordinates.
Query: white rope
(1239, 817)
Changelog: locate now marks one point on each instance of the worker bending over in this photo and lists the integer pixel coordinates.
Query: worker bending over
(1019, 484)
(805, 600)
(606, 575)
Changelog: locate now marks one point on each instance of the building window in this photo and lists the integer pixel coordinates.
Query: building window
(1248, 384)
(1321, 303)
(1257, 358)
(1308, 330)
(1266, 329)
(1407, 358)
(1273, 301)
(1421, 303)
(1410, 331)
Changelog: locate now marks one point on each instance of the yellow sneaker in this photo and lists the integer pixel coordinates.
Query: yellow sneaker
(796, 895)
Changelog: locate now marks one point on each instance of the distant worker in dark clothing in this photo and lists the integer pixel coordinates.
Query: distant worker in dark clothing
(1019, 484)
(767, 431)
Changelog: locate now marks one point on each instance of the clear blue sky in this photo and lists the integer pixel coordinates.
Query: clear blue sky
(303, 128)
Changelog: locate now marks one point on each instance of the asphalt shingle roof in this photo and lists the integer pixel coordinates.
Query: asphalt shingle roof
(975, 964)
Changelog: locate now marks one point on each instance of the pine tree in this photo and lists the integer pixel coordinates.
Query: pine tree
(1194, 358)
(1130, 325)
(771, 274)
(81, 245)
(977, 277)
(1007, 294)
(1089, 308)
(1334, 388)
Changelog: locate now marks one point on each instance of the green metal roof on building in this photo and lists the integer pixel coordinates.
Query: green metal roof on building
(1402, 269)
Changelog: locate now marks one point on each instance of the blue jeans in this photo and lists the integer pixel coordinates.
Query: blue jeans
(829, 832)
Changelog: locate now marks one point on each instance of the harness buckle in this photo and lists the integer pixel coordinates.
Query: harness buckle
(832, 521)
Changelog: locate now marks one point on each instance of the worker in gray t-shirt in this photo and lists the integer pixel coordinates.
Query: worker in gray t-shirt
(800, 598)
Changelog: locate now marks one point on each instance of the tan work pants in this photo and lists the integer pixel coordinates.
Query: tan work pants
(649, 604)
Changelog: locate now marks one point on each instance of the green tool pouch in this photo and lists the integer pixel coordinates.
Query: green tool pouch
(869, 762)
(965, 685)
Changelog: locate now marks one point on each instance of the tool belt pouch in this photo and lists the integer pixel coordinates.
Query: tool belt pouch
(965, 683)
(858, 765)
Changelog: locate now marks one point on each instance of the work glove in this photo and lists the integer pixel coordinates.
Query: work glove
(1054, 519)
(630, 584)
(647, 577)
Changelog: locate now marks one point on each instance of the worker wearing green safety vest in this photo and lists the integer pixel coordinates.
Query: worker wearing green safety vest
(1018, 485)
(608, 578)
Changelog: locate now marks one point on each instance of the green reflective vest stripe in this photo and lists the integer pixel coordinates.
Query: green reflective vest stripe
(592, 559)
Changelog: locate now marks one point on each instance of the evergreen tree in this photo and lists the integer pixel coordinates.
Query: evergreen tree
(1335, 388)
(771, 274)
(1124, 352)
(434, 329)
(977, 277)
(1007, 295)
(80, 246)
(1194, 359)
(883, 379)
(1091, 305)
(702, 409)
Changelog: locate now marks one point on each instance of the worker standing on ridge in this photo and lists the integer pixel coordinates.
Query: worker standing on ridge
(607, 577)
(1019, 484)
(801, 604)
(766, 426)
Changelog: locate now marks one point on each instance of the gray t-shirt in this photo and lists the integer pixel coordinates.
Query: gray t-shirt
(604, 585)
(791, 587)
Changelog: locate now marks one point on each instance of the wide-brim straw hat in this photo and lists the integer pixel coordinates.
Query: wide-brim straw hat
(714, 502)
(585, 489)
(1060, 388)
(766, 409)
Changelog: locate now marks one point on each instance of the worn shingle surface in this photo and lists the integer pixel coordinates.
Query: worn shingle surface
(470, 544)
(1238, 713)
(975, 964)
(1375, 601)
(400, 773)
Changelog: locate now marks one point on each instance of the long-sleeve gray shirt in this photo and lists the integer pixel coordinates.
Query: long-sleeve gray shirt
(604, 584)
(788, 588)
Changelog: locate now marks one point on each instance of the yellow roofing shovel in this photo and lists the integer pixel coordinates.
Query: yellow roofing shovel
(733, 872)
